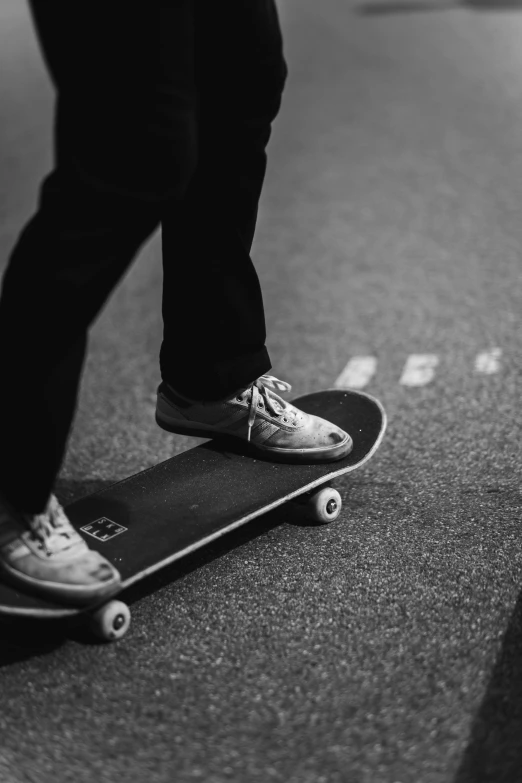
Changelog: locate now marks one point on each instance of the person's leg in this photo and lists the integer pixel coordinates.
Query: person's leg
(125, 147)
(214, 337)
(213, 358)
(62, 269)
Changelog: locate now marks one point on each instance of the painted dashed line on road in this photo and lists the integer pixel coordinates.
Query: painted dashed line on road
(488, 362)
(419, 369)
(357, 373)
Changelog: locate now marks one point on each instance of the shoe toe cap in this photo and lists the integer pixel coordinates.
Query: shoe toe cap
(102, 572)
(327, 433)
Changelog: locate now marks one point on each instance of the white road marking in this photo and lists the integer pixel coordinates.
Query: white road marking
(357, 372)
(488, 362)
(419, 369)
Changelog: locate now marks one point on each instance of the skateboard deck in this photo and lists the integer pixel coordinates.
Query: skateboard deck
(158, 516)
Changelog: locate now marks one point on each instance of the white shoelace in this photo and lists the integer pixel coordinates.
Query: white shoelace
(52, 528)
(260, 391)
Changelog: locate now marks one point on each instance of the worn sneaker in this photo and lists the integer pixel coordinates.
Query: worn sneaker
(43, 553)
(255, 413)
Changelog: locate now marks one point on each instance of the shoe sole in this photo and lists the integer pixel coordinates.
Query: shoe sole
(323, 454)
(73, 595)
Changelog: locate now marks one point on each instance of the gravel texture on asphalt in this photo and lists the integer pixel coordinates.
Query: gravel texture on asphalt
(384, 648)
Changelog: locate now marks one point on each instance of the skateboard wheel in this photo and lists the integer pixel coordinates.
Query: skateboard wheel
(324, 505)
(111, 621)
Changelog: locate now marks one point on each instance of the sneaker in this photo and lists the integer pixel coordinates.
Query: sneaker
(256, 414)
(44, 554)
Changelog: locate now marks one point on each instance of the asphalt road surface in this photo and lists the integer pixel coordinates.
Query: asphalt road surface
(387, 647)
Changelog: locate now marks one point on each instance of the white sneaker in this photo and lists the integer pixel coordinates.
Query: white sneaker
(256, 414)
(44, 554)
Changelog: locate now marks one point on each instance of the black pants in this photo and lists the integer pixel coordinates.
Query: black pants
(163, 115)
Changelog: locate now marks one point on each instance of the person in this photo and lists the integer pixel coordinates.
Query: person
(163, 116)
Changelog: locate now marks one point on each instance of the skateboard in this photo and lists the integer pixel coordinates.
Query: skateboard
(154, 518)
